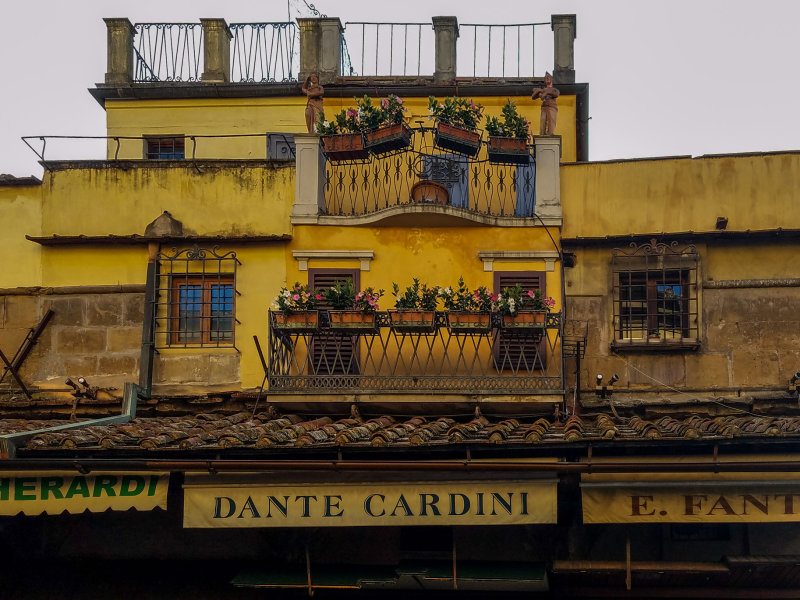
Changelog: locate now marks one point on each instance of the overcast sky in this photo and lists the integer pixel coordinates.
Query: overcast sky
(679, 77)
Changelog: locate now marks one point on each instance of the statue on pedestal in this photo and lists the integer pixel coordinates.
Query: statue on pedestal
(314, 91)
(548, 94)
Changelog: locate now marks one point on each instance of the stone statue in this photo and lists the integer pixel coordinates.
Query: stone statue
(314, 91)
(548, 94)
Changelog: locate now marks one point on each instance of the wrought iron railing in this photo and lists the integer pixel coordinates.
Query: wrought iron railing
(472, 184)
(502, 51)
(388, 359)
(264, 52)
(168, 52)
(390, 48)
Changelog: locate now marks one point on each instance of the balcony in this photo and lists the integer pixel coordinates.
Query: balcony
(390, 359)
(427, 176)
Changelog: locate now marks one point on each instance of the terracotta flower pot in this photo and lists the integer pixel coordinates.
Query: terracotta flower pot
(469, 322)
(352, 321)
(457, 139)
(296, 322)
(508, 150)
(413, 321)
(430, 192)
(525, 319)
(388, 139)
(348, 146)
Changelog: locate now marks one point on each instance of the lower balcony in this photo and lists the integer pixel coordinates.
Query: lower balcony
(439, 358)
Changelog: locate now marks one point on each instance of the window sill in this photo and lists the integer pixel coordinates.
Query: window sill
(661, 345)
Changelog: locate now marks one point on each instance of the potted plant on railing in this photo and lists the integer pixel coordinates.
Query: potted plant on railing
(523, 309)
(384, 128)
(295, 309)
(415, 308)
(456, 124)
(468, 312)
(342, 138)
(508, 137)
(351, 311)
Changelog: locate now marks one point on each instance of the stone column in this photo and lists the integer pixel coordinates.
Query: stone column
(548, 180)
(119, 68)
(321, 49)
(563, 27)
(309, 195)
(446, 31)
(216, 51)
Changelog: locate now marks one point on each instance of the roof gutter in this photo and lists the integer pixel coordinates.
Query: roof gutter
(11, 441)
(221, 465)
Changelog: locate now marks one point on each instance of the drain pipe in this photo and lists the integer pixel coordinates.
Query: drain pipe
(148, 323)
(11, 441)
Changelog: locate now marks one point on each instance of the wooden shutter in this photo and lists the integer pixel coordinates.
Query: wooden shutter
(514, 351)
(333, 353)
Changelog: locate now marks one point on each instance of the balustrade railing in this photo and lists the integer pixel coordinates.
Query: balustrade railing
(387, 358)
(264, 52)
(498, 51)
(390, 48)
(168, 52)
(394, 179)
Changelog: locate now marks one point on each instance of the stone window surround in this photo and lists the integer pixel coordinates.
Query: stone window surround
(489, 257)
(303, 257)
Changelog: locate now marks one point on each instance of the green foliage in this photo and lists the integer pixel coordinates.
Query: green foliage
(512, 123)
(456, 111)
(416, 296)
(365, 116)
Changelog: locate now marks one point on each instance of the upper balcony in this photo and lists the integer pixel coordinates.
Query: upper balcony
(214, 51)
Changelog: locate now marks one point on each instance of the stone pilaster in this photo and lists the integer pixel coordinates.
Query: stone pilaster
(119, 69)
(216, 51)
(563, 27)
(548, 180)
(446, 31)
(309, 197)
(321, 49)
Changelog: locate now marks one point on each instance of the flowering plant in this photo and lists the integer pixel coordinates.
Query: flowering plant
(458, 112)
(365, 116)
(512, 124)
(460, 298)
(393, 110)
(298, 298)
(514, 299)
(343, 296)
(416, 296)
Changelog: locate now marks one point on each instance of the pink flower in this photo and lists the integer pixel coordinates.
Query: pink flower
(531, 294)
(399, 100)
(295, 297)
(319, 296)
(494, 297)
(384, 103)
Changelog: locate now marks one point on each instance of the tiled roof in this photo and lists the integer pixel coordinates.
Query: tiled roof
(268, 430)
(21, 425)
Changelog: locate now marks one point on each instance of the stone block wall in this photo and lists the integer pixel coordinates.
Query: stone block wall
(750, 341)
(94, 335)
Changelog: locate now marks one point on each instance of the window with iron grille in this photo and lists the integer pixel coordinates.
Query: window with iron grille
(655, 295)
(334, 353)
(196, 298)
(165, 147)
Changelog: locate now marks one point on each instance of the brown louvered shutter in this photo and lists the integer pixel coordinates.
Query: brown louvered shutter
(514, 351)
(333, 353)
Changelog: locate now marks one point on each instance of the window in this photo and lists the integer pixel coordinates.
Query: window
(165, 148)
(195, 298)
(516, 351)
(333, 353)
(202, 310)
(655, 295)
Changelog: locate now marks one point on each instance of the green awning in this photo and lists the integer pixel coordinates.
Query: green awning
(433, 575)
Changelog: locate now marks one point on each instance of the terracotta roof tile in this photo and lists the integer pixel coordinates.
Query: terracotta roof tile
(269, 430)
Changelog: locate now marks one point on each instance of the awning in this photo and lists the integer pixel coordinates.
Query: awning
(35, 493)
(210, 501)
(408, 575)
(746, 497)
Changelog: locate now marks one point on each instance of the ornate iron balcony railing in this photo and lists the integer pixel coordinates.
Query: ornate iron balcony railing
(389, 359)
(474, 184)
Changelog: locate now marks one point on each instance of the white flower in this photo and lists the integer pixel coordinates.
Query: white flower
(274, 305)
(286, 293)
(448, 291)
(325, 123)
